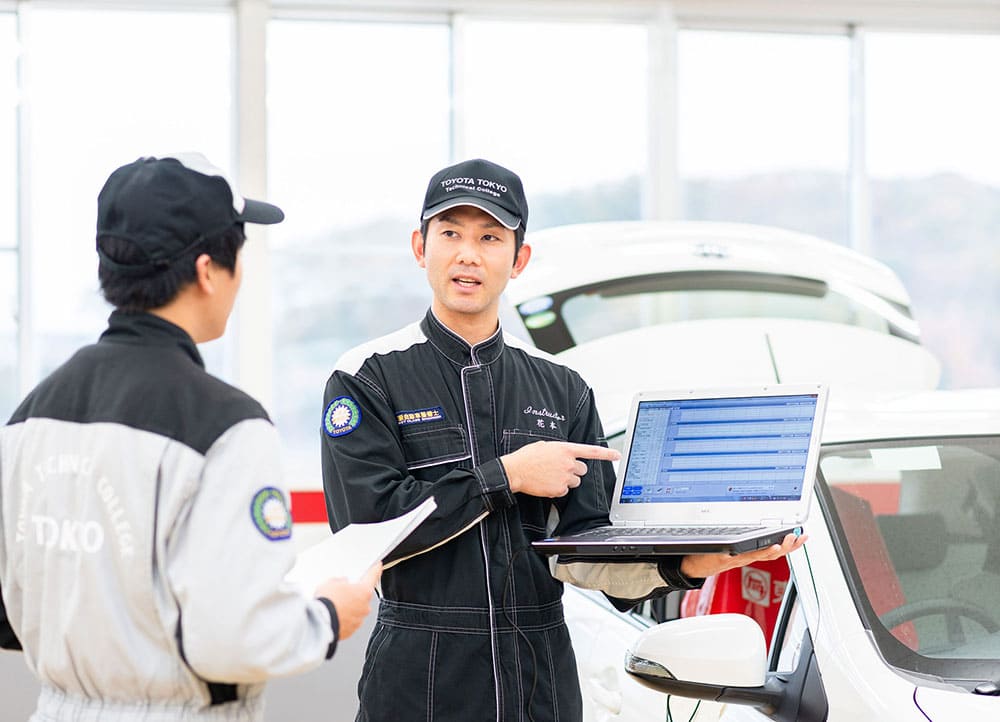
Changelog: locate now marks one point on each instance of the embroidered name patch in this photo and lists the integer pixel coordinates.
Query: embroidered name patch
(341, 417)
(419, 416)
(270, 514)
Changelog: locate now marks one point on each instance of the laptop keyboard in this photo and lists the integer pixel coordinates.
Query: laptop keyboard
(609, 532)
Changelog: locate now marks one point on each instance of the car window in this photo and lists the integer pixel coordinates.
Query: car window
(917, 529)
(583, 314)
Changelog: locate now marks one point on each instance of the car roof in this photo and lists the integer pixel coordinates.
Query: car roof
(742, 352)
(857, 416)
(646, 247)
(860, 416)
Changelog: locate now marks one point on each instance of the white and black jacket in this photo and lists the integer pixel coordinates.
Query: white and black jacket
(145, 534)
(473, 628)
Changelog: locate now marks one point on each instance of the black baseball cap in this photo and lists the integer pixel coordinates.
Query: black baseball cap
(481, 184)
(167, 206)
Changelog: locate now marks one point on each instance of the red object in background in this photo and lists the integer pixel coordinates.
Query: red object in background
(308, 507)
(882, 497)
(871, 557)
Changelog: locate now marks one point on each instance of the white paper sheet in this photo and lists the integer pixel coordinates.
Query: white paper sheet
(907, 458)
(354, 549)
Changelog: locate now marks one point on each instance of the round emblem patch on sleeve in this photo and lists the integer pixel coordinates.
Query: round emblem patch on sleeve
(270, 514)
(341, 417)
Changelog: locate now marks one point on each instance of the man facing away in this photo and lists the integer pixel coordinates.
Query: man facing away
(470, 626)
(145, 530)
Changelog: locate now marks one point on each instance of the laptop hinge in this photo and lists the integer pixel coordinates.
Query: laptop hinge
(629, 522)
(772, 522)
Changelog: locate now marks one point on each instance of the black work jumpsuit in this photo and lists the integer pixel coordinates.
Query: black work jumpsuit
(470, 627)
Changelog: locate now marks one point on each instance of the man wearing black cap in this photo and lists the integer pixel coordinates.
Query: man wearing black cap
(470, 625)
(144, 529)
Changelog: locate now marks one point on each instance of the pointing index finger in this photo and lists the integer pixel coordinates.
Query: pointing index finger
(592, 451)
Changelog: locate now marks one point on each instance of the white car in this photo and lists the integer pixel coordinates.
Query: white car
(646, 305)
(892, 610)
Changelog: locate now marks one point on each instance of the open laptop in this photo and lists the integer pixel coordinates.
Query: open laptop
(723, 470)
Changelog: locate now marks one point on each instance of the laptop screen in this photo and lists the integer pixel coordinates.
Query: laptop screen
(726, 449)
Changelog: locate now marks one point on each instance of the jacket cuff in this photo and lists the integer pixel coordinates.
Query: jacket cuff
(334, 625)
(494, 484)
(670, 570)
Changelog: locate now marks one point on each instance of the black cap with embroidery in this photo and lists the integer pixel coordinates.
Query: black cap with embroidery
(481, 184)
(167, 206)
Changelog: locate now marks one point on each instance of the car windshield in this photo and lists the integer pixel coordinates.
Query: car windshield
(917, 528)
(578, 315)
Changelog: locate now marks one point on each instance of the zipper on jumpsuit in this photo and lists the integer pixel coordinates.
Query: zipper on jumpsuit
(475, 366)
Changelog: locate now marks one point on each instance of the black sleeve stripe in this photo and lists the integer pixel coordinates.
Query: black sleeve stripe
(334, 624)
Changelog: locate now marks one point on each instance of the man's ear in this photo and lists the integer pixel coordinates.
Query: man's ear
(205, 271)
(417, 244)
(521, 260)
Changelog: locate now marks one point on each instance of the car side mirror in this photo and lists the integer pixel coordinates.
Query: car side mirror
(717, 657)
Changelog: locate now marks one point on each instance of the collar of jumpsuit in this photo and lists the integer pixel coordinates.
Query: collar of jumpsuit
(456, 348)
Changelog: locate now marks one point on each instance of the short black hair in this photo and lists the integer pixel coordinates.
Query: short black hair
(518, 234)
(128, 292)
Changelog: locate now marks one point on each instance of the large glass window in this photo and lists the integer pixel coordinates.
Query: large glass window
(358, 120)
(8, 215)
(8, 334)
(567, 110)
(934, 157)
(106, 88)
(8, 130)
(763, 129)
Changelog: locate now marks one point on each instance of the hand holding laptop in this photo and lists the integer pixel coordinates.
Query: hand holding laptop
(700, 566)
(551, 468)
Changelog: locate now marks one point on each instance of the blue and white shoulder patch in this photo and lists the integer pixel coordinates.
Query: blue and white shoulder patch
(270, 514)
(341, 417)
(419, 416)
